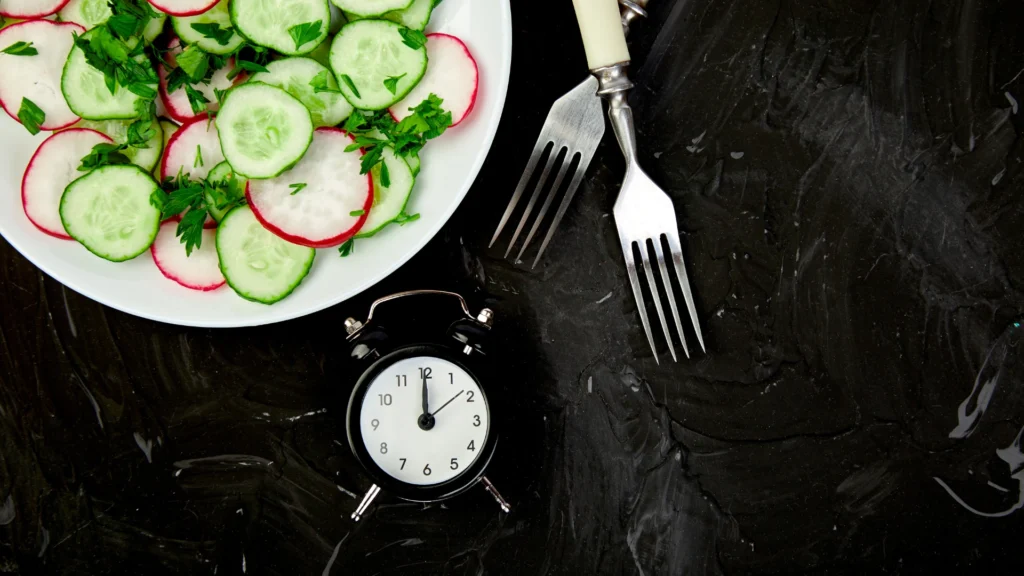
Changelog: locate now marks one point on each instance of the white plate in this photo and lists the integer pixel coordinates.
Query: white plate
(450, 164)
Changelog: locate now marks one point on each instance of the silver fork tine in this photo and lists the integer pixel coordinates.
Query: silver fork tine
(645, 255)
(581, 169)
(538, 151)
(634, 281)
(556, 149)
(670, 293)
(684, 283)
(547, 201)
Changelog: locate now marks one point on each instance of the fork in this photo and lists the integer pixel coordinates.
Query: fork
(644, 213)
(574, 124)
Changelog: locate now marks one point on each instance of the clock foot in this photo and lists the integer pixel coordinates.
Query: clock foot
(497, 496)
(365, 504)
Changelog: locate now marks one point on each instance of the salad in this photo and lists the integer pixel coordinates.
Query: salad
(231, 139)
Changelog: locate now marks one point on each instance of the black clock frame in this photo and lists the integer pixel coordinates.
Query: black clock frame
(414, 493)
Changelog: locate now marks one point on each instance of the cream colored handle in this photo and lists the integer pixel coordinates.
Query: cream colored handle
(601, 27)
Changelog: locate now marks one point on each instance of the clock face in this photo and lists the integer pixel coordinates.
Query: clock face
(424, 447)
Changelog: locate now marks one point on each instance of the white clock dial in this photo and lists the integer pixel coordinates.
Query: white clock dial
(389, 421)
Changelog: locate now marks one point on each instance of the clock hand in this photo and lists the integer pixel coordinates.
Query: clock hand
(426, 403)
(448, 402)
(426, 420)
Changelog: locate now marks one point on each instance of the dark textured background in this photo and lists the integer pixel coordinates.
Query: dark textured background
(848, 176)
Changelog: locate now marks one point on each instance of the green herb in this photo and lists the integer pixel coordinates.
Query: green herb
(245, 65)
(219, 94)
(357, 213)
(303, 34)
(123, 25)
(190, 229)
(140, 133)
(196, 100)
(427, 121)
(176, 79)
(347, 248)
(194, 62)
(435, 4)
(120, 65)
(214, 32)
(391, 83)
(297, 187)
(104, 155)
(322, 83)
(199, 157)
(351, 85)
(413, 38)
(20, 49)
(31, 116)
(404, 218)
(385, 176)
(180, 195)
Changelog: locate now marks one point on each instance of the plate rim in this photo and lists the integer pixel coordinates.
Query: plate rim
(414, 248)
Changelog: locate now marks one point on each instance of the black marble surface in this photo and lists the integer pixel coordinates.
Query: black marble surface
(848, 177)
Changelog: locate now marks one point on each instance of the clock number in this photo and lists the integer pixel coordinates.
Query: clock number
(470, 398)
(455, 464)
(476, 420)
(425, 373)
(383, 447)
(402, 379)
(426, 470)
(451, 378)
(403, 463)
(385, 399)
(472, 446)
(375, 423)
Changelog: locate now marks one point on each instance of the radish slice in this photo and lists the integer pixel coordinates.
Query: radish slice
(194, 150)
(183, 7)
(176, 103)
(332, 205)
(200, 271)
(54, 166)
(30, 9)
(38, 77)
(452, 75)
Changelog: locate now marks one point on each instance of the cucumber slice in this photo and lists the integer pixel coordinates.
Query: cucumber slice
(416, 16)
(258, 265)
(293, 75)
(145, 158)
(413, 160)
(91, 13)
(86, 91)
(169, 129)
(263, 130)
(236, 188)
(389, 202)
(371, 7)
(366, 53)
(86, 13)
(109, 212)
(268, 23)
(184, 26)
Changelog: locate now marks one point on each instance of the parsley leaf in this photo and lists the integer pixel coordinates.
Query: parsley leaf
(214, 32)
(297, 187)
(190, 229)
(322, 83)
(245, 65)
(123, 25)
(351, 85)
(196, 100)
(357, 213)
(303, 34)
(385, 176)
(391, 82)
(31, 116)
(194, 62)
(140, 132)
(20, 49)
(219, 95)
(347, 248)
(104, 154)
(403, 218)
(199, 157)
(413, 38)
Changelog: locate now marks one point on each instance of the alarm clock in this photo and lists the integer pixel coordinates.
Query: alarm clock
(418, 418)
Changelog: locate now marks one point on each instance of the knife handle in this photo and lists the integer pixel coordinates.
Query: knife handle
(631, 10)
(601, 28)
